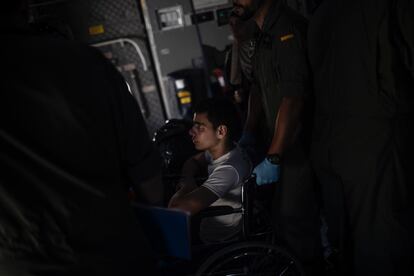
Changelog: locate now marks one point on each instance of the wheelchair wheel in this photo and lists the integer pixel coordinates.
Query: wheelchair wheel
(253, 259)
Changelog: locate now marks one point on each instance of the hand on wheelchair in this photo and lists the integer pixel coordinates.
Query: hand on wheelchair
(266, 172)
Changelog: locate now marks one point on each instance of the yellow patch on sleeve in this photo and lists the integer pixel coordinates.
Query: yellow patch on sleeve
(185, 100)
(95, 30)
(183, 94)
(287, 37)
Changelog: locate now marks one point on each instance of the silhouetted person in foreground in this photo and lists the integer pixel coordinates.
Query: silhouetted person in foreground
(361, 54)
(72, 142)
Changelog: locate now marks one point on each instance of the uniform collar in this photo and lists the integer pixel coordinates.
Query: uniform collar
(275, 10)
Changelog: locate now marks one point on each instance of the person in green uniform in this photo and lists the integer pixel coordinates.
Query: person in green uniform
(280, 88)
(361, 55)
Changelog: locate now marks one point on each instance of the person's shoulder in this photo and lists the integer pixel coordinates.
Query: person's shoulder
(292, 19)
(293, 16)
(79, 59)
(32, 47)
(239, 159)
(82, 50)
(64, 49)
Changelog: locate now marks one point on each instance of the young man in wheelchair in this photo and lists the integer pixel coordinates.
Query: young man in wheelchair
(216, 128)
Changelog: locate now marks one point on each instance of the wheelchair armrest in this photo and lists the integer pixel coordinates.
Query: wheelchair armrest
(216, 211)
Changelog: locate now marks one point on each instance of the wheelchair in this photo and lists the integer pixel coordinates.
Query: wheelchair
(253, 251)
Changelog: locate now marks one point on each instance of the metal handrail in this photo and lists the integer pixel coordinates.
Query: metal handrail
(122, 41)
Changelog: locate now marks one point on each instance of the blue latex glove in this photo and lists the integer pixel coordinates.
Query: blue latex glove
(247, 140)
(266, 173)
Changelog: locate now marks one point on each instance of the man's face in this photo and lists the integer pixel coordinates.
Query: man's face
(203, 134)
(245, 9)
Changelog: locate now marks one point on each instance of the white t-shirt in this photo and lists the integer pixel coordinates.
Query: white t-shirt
(225, 178)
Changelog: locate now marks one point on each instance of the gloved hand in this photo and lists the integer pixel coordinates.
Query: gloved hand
(266, 172)
(247, 140)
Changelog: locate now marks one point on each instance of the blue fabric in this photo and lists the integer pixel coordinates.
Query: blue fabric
(167, 230)
(266, 172)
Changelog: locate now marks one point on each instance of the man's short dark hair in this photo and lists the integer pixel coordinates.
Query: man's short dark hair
(222, 112)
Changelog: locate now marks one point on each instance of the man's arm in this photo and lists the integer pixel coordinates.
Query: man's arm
(216, 186)
(194, 201)
(294, 86)
(185, 186)
(286, 124)
(286, 127)
(195, 166)
(192, 168)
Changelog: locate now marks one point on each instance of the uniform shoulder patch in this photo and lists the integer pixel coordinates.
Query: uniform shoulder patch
(286, 37)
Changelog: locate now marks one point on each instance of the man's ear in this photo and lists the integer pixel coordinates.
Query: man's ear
(221, 131)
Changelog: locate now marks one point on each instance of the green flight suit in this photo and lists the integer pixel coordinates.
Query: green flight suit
(361, 53)
(280, 69)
